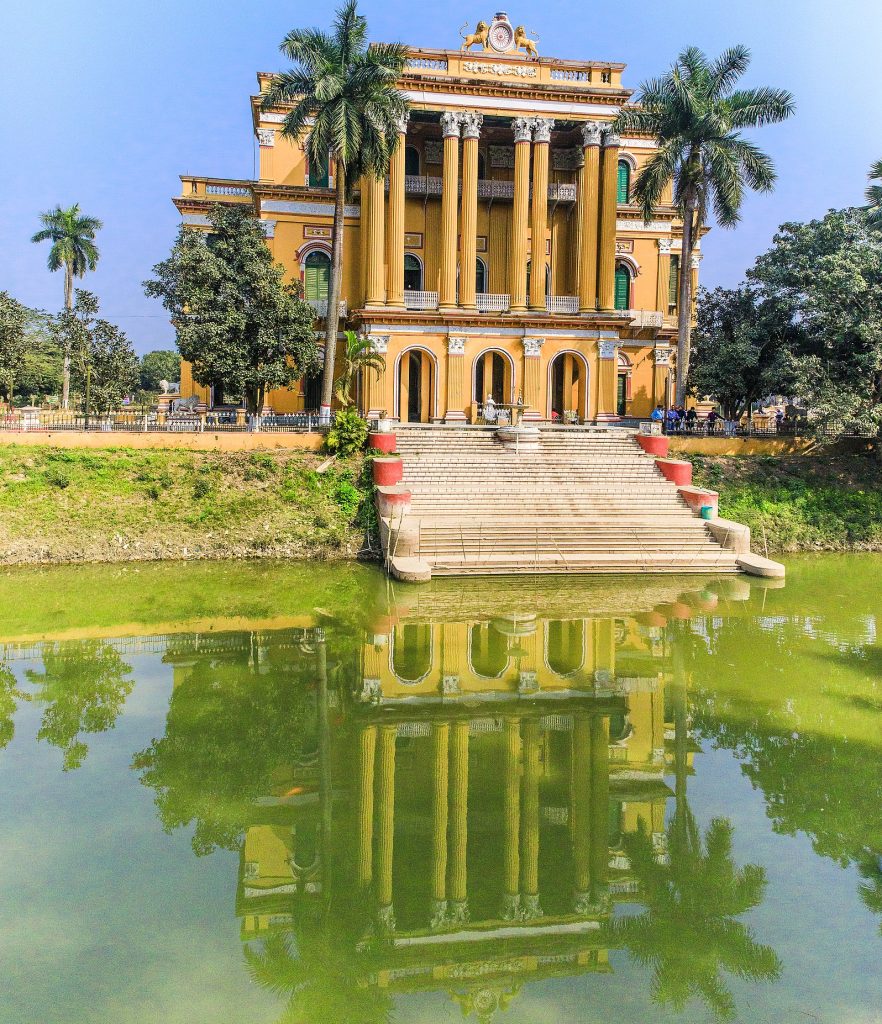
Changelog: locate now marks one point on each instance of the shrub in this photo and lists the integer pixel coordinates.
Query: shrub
(348, 434)
(348, 497)
(201, 487)
(57, 477)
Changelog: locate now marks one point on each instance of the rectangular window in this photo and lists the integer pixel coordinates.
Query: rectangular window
(674, 282)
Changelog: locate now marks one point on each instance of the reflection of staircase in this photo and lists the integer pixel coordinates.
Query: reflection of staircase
(587, 501)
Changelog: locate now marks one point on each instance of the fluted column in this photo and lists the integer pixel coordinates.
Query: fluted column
(457, 906)
(517, 281)
(449, 203)
(541, 139)
(663, 278)
(530, 847)
(456, 386)
(696, 263)
(395, 231)
(607, 371)
(532, 378)
(589, 213)
(662, 373)
(376, 277)
(374, 381)
(367, 745)
(386, 826)
(579, 807)
(609, 186)
(575, 281)
(440, 740)
(471, 130)
(599, 806)
(512, 811)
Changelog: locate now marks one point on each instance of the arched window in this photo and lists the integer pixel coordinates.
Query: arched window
(413, 273)
(623, 191)
(411, 161)
(317, 277)
(318, 173)
(412, 651)
(623, 287)
(623, 385)
(488, 650)
(480, 276)
(566, 646)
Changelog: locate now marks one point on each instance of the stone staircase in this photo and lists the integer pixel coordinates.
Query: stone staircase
(587, 501)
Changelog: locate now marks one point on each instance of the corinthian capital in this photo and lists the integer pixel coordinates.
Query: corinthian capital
(610, 136)
(471, 124)
(542, 129)
(449, 124)
(401, 122)
(664, 246)
(522, 128)
(591, 133)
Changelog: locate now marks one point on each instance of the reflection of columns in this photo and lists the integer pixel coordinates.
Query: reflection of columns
(449, 202)
(542, 138)
(605, 647)
(395, 234)
(589, 213)
(459, 810)
(440, 736)
(530, 851)
(663, 280)
(517, 270)
(376, 291)
(532, 378)
(512, 810)
(579, 806)
(606, 256)
(607, 367)
(456, 398)
(471, 129)
(599, 805)
(374, 381)
(386, 825)
(367, 745)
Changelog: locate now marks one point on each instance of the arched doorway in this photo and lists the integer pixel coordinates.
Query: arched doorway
(413, 273)
(411, 161)
(623, 287)
(480, 276)
(317, 276)
(565, 646)
(415, 386)
(568, 386)
(488, 650)
(312, 392)
(492, 376)
(623, 388)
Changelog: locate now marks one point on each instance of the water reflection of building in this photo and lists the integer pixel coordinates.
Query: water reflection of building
(481, 775)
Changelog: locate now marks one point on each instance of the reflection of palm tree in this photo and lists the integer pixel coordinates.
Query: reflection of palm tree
(10, 695)
(320, 975)
(687, 934)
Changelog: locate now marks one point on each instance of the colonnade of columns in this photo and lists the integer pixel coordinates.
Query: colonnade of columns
(520, 860)
(593, 253)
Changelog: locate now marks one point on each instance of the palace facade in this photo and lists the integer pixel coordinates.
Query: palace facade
(501, 256)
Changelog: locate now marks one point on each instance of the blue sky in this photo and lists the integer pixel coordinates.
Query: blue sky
(106, 102)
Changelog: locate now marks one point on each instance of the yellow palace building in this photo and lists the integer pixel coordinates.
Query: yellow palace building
(501, 256)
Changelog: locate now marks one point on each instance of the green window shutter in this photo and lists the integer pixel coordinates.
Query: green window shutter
(623, 288)
(318, 276)
(674, 281)
(318, 174)
(623, 194)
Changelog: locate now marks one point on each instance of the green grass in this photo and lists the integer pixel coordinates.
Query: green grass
(73, 505)
(800, 503)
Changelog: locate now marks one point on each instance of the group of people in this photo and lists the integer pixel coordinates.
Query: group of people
(679, 420)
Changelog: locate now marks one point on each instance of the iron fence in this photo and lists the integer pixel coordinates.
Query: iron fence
(220, 421)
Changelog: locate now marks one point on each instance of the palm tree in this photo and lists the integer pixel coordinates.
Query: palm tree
(72, 235)
(359, 356)
(874, 196)
(345, 94)
(696, 115)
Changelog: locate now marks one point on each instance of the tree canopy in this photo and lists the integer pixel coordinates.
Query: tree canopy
(157, 366)
(14, 318)
(237, 322)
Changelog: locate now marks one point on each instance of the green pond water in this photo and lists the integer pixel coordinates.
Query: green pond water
(260, 793)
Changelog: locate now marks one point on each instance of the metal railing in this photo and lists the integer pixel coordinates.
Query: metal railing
(488, 188)
(748, 428)
(420, 300)
(321, 307)
(562, 303)
(213, 421)
(492, 303)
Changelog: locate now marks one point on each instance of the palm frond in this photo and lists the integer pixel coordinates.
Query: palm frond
(752, 108)
(728, 68)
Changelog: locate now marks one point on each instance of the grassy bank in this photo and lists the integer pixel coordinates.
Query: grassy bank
(800, 503)
(112, 505)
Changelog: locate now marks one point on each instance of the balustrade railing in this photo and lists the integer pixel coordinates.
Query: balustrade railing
(646, 318)
(490, 303)
(562, 303)
(226, 190)
(420, 300)
(488, 188)
(321, 307)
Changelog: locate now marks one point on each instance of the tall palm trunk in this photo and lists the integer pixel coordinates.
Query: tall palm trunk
(65, 370)
(333, 318)
(684, 299)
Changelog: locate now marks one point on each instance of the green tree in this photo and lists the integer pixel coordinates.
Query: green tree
(743, 343)
(72, 235)
(874, 196)
(83, 686)
(41, 372)
(103, 363)
(828, 273)
(697, 115)
(237, 323)
(344, 93)
(358, 356)
(14, 318)
(159, 365)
